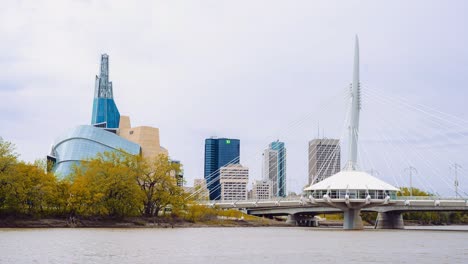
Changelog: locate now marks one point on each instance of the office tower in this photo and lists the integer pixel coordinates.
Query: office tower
(219, 152)
(324, 159)
(179, 176)
(274, 170)
(261, 190)
(233, 180)
(105, 112)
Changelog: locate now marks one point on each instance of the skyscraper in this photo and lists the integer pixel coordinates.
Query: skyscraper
(324, 159)
(219, 152)
(274, 158)
(105, 112)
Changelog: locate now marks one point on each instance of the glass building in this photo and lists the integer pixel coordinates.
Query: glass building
(275, 168)
(105, 112)
(219, 152)
(84, 142)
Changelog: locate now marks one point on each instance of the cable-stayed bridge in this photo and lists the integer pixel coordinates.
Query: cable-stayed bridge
(353, 190)
(304, 209)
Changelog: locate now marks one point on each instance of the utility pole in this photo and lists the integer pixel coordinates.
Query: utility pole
(456, 166)
(411, 169)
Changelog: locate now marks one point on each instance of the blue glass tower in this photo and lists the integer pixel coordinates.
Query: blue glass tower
(281, 169)
(105, 112)
(218, 153)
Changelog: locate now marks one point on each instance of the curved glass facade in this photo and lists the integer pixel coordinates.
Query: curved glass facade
(83, 142)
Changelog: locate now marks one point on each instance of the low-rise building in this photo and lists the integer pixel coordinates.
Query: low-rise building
(262, 190)
(199, 186)
(233, 180)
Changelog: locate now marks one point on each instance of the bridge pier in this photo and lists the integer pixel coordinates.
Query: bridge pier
(390, 220)
(352, 219)
(292, 220)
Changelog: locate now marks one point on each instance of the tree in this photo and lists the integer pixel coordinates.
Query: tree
(8, 156)
(105, 185)
(158, 185)
(28, 189)
(405, 191)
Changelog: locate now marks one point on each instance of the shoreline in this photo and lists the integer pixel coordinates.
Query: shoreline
(134, 223)
(138, 222)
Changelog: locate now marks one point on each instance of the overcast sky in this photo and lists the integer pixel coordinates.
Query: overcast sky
(253, 70)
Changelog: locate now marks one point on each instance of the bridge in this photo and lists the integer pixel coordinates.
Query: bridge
(304, 209)
(351, 190)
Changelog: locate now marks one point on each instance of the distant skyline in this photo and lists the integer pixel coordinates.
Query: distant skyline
(253, 70)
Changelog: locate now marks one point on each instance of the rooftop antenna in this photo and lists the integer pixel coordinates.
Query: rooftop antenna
(318, 129)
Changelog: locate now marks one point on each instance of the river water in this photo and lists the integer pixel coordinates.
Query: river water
(232, 245)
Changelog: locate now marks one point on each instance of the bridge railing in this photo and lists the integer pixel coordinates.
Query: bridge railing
(429, 198)
(273, 199)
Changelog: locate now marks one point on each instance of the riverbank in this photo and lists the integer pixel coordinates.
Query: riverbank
(135, 222)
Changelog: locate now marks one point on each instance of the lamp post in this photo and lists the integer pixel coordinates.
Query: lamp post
(456, 166)
(411, 169)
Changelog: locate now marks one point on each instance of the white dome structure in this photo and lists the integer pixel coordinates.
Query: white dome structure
(352, 180)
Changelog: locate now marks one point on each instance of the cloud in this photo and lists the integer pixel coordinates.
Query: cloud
(237, 69)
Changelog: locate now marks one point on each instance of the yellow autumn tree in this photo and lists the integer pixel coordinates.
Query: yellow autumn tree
(105, 186)
(156, 178)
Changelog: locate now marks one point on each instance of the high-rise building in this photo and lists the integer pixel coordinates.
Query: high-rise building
(233, 181)
(262, 190)
(105, 112)
(324, 159)
(219, 152)
(179, 176)
(274, 168)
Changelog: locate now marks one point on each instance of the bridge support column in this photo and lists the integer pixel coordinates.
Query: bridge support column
(390, 220)
(292, 220)
(352, 219)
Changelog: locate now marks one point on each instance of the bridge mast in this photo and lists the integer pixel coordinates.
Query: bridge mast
(355, 108)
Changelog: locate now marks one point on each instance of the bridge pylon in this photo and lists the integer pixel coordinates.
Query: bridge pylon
(351, 190)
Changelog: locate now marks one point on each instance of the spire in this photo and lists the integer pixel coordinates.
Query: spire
(355, 108)
(103, 87)
(105, 112)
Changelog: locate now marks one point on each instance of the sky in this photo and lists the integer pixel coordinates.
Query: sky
(253, 70)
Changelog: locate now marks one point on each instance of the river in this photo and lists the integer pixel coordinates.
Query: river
(233, 245)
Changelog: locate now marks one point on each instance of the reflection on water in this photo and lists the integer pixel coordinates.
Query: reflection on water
(232, 245)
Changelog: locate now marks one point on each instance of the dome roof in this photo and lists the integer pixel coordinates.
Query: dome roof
(351, 180)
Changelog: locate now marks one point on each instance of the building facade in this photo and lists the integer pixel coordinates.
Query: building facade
(233, 181)
(261, 190)
(145, 136)
(219, 152)
(201, 189)
(108, 132)
(84, 142)
(274, 167)
(324, 159)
